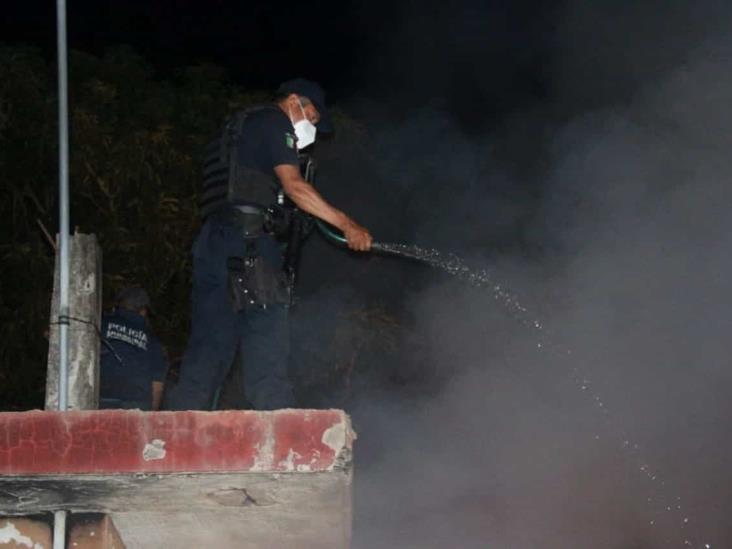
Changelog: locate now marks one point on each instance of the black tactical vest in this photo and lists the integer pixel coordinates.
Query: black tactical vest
(225, 183)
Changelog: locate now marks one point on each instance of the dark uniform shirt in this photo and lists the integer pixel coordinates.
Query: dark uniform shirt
(268, 140)
(126, 375)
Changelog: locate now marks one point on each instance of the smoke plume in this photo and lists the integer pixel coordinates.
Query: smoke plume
(608, 222)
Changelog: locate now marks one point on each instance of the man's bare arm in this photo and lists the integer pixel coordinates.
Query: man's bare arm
(309, 200)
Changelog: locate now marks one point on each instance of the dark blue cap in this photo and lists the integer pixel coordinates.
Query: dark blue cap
(132, 298)
(314, 92)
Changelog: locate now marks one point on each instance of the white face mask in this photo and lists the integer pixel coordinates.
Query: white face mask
(304, 131)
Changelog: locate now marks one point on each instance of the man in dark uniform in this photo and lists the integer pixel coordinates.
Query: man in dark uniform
(240, 293)
(133, 364)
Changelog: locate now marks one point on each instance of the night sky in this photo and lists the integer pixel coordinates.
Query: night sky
(477, 58)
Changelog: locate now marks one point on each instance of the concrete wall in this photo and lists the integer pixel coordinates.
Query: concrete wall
(239, 479)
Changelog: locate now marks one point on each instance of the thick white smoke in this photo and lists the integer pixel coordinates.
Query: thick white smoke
(623, 442)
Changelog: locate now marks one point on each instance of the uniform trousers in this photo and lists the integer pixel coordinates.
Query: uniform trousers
(261, 334)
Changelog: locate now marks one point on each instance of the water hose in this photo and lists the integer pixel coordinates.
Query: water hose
(404, 251)
(340, 240)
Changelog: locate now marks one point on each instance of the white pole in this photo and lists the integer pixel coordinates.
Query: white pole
(63, 160)
(59, 517)
(59, 529)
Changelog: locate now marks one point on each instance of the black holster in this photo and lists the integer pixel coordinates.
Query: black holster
(255, 283)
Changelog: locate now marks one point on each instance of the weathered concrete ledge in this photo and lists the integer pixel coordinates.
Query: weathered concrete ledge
(245, 479)
(130, 441)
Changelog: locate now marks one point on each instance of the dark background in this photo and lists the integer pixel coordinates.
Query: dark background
(471, 65)
(481, 59)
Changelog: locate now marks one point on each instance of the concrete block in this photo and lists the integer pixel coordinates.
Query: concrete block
(131, 441)
(85, 304)
(239, 479)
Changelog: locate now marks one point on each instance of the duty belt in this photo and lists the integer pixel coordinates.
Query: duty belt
(252, 219)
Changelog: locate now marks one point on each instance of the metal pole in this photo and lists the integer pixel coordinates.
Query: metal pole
(59, 517)
(63, 161)
(59, 529)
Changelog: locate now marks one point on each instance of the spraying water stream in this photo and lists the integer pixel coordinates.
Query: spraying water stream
(663, 508)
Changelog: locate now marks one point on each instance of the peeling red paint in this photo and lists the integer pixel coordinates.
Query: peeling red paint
(300, 429)
(113, 441)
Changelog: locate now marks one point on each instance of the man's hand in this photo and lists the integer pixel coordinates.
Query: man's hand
(358, 237)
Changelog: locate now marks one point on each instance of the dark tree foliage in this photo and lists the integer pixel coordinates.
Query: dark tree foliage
(135, 142)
